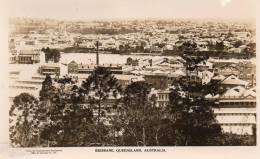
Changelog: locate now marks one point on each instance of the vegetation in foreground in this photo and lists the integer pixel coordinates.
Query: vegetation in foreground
(69, 115)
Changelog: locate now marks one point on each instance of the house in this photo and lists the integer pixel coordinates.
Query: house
(205, 76)
(247, 72)
(50, 69)
(160, 97)
(218, 78)
(72, 67)
(227, 70)
(163, 97)
(158, 79)
(25, 57)
(232, 81)
(204, 66)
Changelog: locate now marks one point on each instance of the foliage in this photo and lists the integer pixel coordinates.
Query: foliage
(238, 43)
(192, 115)
(48, 90)
(194, 120)
(24, 113)
(68, 122)
(69, 114)
(220, 46)
(141, 119)
(100, 86)
(188, 46)
(51, 54)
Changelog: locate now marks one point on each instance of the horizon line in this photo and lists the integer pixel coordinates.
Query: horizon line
(138, 18)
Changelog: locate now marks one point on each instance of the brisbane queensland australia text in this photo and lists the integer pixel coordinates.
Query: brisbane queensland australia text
(131, 150)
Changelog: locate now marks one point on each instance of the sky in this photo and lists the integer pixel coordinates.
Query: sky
(134, 9)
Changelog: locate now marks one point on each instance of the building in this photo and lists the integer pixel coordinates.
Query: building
(158, 79)
(25, 57)
(75, 68)
(227, 69)
(161, 97)
(50, 69)
(232, 81)
(236, 111)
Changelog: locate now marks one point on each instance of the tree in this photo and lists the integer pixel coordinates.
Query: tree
(250, 50)
(220, 46)
(24, 121)
(51, 54)
(56, 55)
(238, 43)
(100, 86)
(188, 46)
(141, 118)
(194, 120)
(69, 122)
(135, 103)
(192, 115)
(48, 93)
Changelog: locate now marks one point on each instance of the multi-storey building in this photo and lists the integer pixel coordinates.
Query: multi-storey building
(236, 111)
(25, 57)
(50, 69)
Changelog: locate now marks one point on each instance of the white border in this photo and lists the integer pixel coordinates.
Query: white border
(78, 153)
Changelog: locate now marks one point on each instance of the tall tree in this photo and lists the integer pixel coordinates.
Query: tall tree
(141, 118)
(24, 121)
(99, 86)
(48, 93)
(69, 122)
(192, 115)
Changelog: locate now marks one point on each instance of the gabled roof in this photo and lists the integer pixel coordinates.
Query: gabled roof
(240, 92)
(233, 80)
(219, 77)
(250, 93)
(208, 96)
(235, 92)
(73, 62)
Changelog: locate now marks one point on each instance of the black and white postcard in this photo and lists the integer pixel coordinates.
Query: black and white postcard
(130, 78)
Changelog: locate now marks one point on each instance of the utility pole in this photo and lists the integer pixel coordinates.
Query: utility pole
(97, 54)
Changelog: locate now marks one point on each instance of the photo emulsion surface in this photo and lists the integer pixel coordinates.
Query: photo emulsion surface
(132, 73)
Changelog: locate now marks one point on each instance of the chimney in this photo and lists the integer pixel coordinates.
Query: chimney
(252, 79)
(97, 55)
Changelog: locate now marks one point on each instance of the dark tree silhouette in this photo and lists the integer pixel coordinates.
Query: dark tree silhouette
(220, 46)
(100, 86)
(141, 119)
(238, 43)
(68, 121)
(192, 115)
(51, 54)
(24, 131)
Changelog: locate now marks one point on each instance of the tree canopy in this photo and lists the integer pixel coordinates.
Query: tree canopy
(99, 112)
(51, 54)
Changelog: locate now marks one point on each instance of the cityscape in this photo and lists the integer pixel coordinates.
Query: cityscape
(132, 82)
